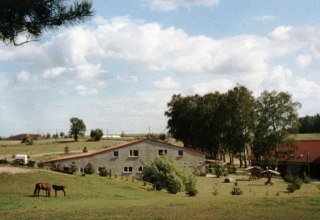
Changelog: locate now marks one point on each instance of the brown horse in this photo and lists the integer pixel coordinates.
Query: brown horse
(58, 188)
(43, 186)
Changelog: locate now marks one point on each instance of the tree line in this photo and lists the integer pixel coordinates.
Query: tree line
(233, 123)
(309, 124)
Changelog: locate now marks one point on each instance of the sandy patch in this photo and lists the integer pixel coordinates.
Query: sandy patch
(13, 170)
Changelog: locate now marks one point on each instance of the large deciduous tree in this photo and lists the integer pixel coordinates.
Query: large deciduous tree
(239, 123)
(77, 128)
(29, 19)
(277, 116)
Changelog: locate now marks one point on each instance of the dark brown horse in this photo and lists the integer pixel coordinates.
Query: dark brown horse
(43, 186)
(58, 188)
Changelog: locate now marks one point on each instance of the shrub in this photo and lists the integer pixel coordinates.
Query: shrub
(306, 178)
(294, 185)
(219, 170)
(190, 186)
(165, 173)
(103, 171)
(96, 134)
(288, 177)
(89, 169)
(73, 168)
(236, 189)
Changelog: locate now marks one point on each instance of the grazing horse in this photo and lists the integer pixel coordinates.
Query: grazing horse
(58, 188)
(43, 186)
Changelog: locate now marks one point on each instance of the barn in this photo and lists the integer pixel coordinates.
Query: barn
(129, 158)
(304, 159)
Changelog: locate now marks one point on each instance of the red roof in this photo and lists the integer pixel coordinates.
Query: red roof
(88, 154)
(307, 151)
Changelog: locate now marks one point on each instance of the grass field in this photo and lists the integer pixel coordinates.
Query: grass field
(95, 197)
(50, 148)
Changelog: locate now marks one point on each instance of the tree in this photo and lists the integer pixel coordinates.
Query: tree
(240, 121)
(62, 134)
(96, 134)
(277, 116)
(30, 18)
(77, 128)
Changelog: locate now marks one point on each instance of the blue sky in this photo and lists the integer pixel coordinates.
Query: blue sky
(119, 70)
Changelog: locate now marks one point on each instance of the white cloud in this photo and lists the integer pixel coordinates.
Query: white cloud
(127, 78)
(304, 60)
(266, 18)
(169, 5)
(55, 73)
(82, 90)
(166, 83)
(221, 85)
(24, 76)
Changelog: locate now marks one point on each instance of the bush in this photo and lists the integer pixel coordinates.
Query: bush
(306, 178)
(89, 169)
(73, 168)
(288, 177)
(165, 173)
(236, 189)
(190, 186)
(96, 134)
(103, 171)
(219, 170)
(294, 185)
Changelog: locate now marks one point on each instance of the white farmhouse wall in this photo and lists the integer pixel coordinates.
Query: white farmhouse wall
(148, 150)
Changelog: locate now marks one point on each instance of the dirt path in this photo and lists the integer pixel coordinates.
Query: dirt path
(13, 170)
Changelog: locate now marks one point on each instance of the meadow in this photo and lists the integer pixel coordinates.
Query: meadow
(95, 197)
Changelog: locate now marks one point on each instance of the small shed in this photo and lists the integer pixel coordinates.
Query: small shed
(21, 159)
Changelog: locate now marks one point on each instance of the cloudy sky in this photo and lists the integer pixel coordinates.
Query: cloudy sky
(118, 70)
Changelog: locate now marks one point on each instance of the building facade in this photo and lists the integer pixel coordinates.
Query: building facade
(129, 158)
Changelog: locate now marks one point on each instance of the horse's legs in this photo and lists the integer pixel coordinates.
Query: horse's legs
(64, 192)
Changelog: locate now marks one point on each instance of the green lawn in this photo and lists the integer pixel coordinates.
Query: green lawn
(95, 197)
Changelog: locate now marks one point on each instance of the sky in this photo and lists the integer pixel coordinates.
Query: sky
(119, 70)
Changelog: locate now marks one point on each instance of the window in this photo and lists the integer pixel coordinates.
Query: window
(140, 169)
(115, 153)
(162, 152)
(134, 153)
(127, 169)
(180, 153)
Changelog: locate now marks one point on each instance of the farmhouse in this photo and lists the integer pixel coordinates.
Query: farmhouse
(129, 158)
(305, 158)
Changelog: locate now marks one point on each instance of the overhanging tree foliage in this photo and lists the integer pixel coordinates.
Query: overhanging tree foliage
(30, 18)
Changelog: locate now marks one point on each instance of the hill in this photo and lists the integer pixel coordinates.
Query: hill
(95, 197)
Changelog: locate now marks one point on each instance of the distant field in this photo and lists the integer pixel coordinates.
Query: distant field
(95, 197)
(53, 147)
(307, 136)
